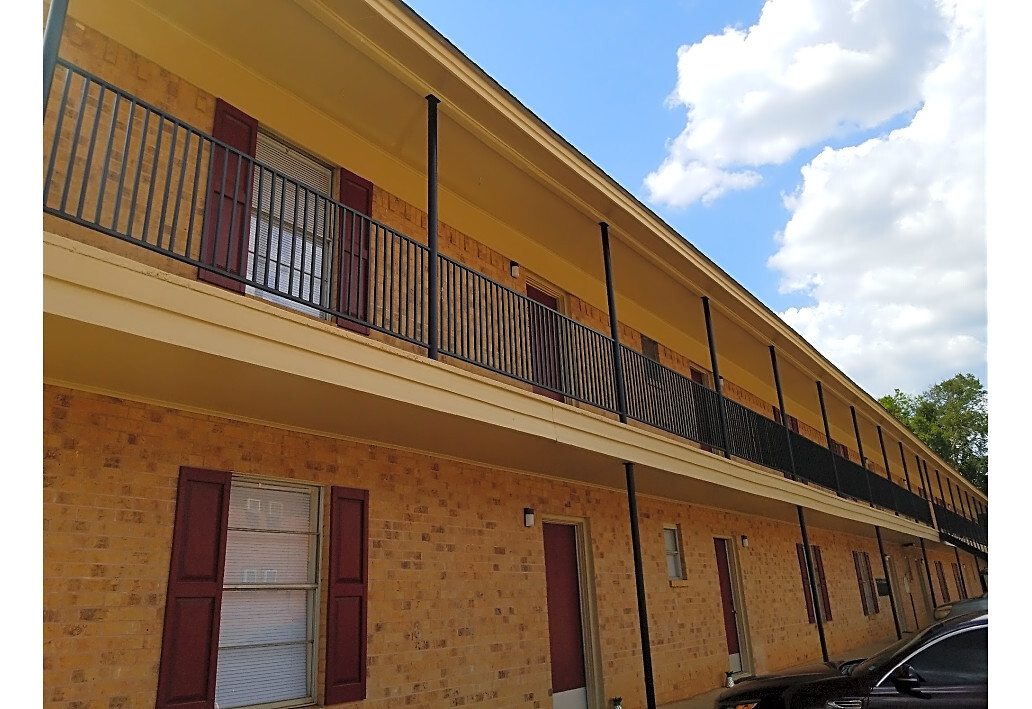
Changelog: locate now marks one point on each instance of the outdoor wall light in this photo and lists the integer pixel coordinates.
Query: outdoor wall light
(745, 542)
(514, 269)
(528, 516)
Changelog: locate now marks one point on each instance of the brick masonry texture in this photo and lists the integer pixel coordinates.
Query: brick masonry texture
(456, 596)
(457, 600)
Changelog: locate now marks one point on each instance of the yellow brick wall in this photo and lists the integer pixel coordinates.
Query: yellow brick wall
(456, 582)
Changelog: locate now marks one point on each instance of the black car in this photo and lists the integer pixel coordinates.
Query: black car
(944, 665)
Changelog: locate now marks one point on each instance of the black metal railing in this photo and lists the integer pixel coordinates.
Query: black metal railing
(960, 530)
(813, 461)
(495, 327)
(660, 397)
(123, 167)
(757, 438)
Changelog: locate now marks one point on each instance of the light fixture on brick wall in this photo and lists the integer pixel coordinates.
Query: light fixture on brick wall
(528, 516)
(514, 269)
(745, 542)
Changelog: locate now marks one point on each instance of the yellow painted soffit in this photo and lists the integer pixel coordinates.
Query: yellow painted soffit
(86, 284)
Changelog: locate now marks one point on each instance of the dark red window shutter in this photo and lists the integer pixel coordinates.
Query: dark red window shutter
(958, 578)
(870, 582)
(190, 640)
(227, 215)
(942, 582)
(353, 254)
(822, 583)
(806, 582)
(347, 594)
(857, 561)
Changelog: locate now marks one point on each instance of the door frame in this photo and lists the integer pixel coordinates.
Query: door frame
(562, 308)
(742, 614)
(588, 603)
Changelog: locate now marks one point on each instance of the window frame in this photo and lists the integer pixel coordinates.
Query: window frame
(674, 531)
(314, 588)
(280, 228)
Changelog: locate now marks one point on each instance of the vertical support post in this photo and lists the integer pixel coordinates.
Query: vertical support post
(924, 485)
(863, 458)
(812, 578)
(884, 455)
(433, 276)
(639, 583)
(888, 474)
(51, 43)
(906, 473)
(942, 495)
(781, 407)
(888, 580)
(827, 434)
(717, 381)
(614, 327)
(960, 570)
(953, 501)
(928, 573)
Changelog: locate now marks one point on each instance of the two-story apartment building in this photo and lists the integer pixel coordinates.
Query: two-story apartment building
(362, 385)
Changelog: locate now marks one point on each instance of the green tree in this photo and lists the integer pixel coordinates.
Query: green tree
(952, 419)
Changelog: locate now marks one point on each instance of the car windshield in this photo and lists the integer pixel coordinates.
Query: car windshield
(876, 662)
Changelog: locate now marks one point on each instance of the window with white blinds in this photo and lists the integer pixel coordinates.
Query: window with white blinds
(672, 545)
(291, 235)
(267, 633)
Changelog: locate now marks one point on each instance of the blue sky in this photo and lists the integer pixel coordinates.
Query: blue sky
(863, 271)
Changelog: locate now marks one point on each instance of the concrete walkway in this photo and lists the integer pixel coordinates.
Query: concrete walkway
(705, 700)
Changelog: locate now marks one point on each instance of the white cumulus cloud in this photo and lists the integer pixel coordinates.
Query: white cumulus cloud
(888, 237)
(807, 70)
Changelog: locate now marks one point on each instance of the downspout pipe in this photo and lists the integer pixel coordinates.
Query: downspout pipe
(51, 43)
(888, 580)
(812, 578)
(784, 414)
(639, 575)
(928, 572)
(433, 277)
(718, 382)
(632, 494)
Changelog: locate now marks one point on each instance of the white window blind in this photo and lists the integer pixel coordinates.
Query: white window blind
(672, 544)
(291, 234)
(267, 632)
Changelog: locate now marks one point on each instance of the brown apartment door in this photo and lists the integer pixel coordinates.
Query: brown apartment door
(729, 603)
(565, 618)
(545, 364)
